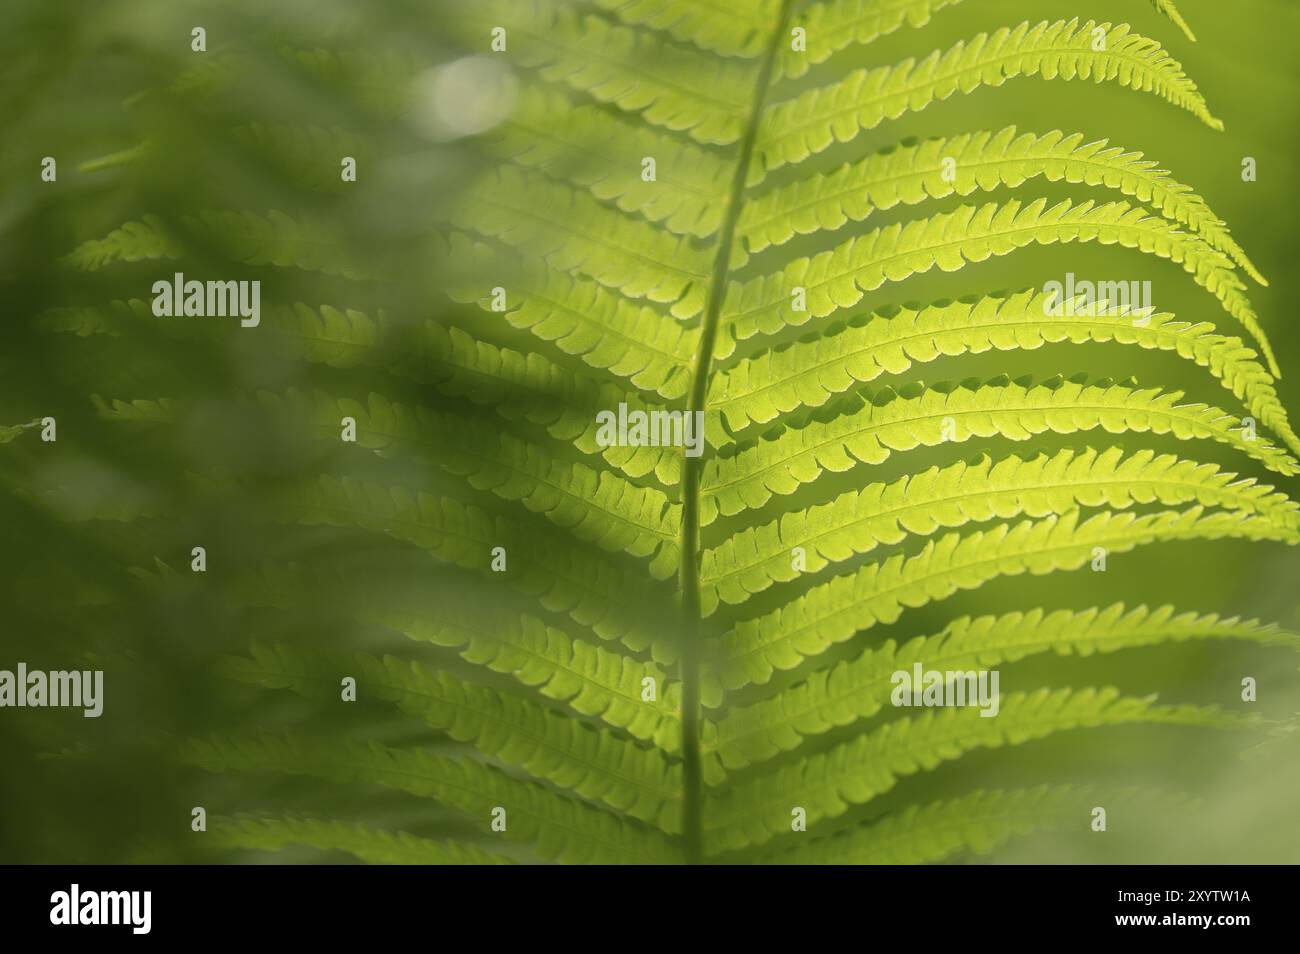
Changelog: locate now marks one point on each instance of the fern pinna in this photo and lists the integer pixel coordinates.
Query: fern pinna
(633, 653)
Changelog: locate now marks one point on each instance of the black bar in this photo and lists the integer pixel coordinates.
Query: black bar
(331, 904)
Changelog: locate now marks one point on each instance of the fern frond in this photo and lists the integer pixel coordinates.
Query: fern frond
(594, 505)
(858, 521)
(118, 319)
(377, 84)
(572, 232)
(922, 834)
(558, 827)
(725, 27)
(1168, 9)
(871, 426)
(835, 25)
(590, 679)
(813, 121)
(606, 330)
(209, 76)
(114, 160)
(839, 277)
(891, 340)
(913, 172)
(517, 385)
(531, 387)
(859, 688)
(148, 239)
(371, 845)
(566, 578)
(139, 411)
(270, 239)
(603, 154)
(305, 154)
(574, 755)
(483, 514)
(339, 338)
(832, 612)
(10, 432)
(825, 785)
(666, 85)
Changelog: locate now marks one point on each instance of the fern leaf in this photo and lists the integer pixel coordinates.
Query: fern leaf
(919, 834)
(858, 521)
(558, 827)
(835, 25)
(339, 338)
(859, 688)
(517, 385)
(590, 679)
(872, 426)
(813, 121)
(577, 286)
(572, 232)
(371, 845)
(564, 577)
(576, 756)
(913, 172)
(277, 239)
(607, 331)
(10, 432)
(603, 154)
(1168, 9)
(832, 612)
(725, 27)
(839, 277)
(531, 387)
(666, 85)
(378, 84)
(118, 319)
(148, 239)
(594, 505)
(140, 411)
(891, 340)
(853, 773)
(272, 239)
(301, 153)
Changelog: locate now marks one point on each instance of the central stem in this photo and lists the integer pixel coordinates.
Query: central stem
(689, 573)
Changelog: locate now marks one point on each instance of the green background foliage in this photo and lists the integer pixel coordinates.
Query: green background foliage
(224, 433)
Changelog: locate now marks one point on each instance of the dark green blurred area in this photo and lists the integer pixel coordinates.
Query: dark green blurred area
(89, 83)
